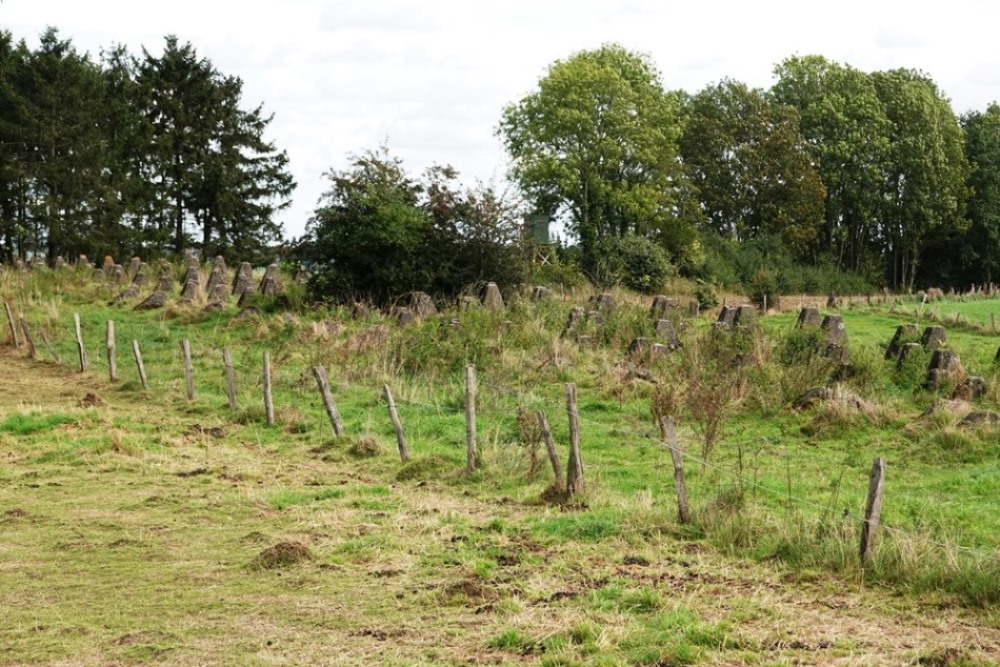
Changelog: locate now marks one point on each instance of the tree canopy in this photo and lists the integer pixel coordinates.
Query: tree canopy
(597, 141)
(131, 155)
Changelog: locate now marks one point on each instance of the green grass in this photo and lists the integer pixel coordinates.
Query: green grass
(292, 497)
(161, 505)
(34, 422)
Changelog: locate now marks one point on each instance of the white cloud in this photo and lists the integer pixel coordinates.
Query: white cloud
(383, 16)
(432, 77)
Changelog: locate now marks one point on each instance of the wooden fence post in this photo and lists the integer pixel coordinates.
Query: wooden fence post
(79, 344)
(873, 510)
(112, 360)
(32, 353)
(13, 327)
(268, 401)
(140, 365)
(574, 467)
(550, 447)
(328, 403)
(227, 361)
(404, 453)
(470, 419)
(188, 369)
(670, 435)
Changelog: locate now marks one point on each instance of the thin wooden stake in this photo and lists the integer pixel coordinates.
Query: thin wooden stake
(112, 360)
(32, 353)
(48, 346)
(670, 436)
(404, 453)
(470, 419)
(188, 369)
(574, 467)
(13, 327)
(328, 403)
(227, 361)
(550, 447)
(140, 365)
(79, 344)
(268, 400)
(873, 510)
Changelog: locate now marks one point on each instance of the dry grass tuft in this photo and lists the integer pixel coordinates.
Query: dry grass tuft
(365, 447)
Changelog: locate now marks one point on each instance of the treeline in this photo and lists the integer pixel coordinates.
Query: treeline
(832, 169)
(131, 155)
(832, 178)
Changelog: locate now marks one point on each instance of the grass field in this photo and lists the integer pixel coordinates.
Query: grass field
(140, 528)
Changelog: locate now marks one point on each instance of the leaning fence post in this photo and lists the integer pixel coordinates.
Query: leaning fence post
(32, 353)
(574, 467)
(670, 435)
(188, 369)
(268, 401)
(873, 510)
(404, 453)
(79, 344)
(140, 365)
(227, 361)
(470, 419)
(550, 447)
(328, 403)
(112, 361)
(13, 327)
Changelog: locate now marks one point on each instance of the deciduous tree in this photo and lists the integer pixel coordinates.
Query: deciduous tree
(749, 163)
(598, 141)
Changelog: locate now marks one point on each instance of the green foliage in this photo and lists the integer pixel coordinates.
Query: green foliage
(210, 154)
(800, 345)
(558, 273)
(706, 295)
(978, 255)
(751, 167)
(598, 141)
(734, 265)
(632, 261)
(125, 156)
(912, 373)
(847, 133)
(762, 288)
(379, 233)
(925, 187)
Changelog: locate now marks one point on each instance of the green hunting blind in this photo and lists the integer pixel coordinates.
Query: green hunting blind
(538, 225)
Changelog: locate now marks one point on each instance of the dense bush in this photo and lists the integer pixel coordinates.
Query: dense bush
(738, 266)
(380, 233)
(762, 288)
(632, 261)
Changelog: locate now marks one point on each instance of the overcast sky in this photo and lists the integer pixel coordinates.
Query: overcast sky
(430, 78)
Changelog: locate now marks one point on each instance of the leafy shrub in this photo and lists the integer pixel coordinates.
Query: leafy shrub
(763, 288)
(734, 265)
(632, 261)
(706, 295)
